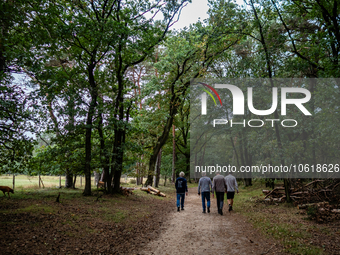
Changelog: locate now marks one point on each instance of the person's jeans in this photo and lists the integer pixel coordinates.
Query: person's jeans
(205, 196)
(180, 197)
(220, 199)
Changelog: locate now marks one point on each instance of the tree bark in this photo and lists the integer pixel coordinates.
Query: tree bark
(161, 141)
(158, 168)
(276, 115)
(173, 154)
(88, 132)
(74, 182)
(120, 134)
(68, 179)
(104, 159)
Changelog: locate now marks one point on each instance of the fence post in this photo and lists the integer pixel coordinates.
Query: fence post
(13, 181)
(59, 181)
(39, 181)
(81, 183)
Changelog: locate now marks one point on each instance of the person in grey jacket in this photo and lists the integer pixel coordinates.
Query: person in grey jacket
(204, 189)
(219, 186)
(231, 182)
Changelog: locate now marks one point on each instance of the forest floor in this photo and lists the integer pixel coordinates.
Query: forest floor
(31, 222)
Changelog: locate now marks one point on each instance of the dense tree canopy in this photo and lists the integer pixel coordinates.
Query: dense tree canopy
(107, 80)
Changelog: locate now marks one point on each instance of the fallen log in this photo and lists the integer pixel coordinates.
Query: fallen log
(305, 206)
(325, 190)
(279, 200)
(280, 188)
(313, 182)
(300, 192)
(126, 191)
(154, 190)
(101, 184)
(276, 189)
(128, 188)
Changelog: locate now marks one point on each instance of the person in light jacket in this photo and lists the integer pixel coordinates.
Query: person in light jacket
(232, 185)
(204, 189)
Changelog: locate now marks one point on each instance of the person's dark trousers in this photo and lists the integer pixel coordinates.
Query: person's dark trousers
(220, 199)
(180, 197)
(205, 196)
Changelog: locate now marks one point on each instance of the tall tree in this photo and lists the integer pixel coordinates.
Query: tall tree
(187, 55)
(100, 38)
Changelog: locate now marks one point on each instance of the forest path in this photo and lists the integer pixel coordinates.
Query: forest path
(192, 232)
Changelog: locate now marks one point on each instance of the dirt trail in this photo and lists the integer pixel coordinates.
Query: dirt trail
(192, 232)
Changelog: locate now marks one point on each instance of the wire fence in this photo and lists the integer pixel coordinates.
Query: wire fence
(40, 181)
(45, 181)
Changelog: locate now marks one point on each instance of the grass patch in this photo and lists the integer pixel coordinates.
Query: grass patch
(280, 221)
(192, 184)
(37, 208)
(116, 217)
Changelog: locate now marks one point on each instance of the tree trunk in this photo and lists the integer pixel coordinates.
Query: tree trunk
(187, 161)
(117, 159)
(74, 182)
(138, 182)
(88, 132)
(152, 164)
(96, 177)
(68, 179)
(248, 182)
(276, 115)
(173, 154)
(163, 138)
(120, 134)
(104, 159)
(158, 168)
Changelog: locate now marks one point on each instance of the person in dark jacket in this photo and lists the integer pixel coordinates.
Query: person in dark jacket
(181, 189)
(219, 186)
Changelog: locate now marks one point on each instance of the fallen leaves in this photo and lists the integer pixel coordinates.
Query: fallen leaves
(79, 227)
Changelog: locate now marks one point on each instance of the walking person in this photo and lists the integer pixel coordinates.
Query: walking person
(181, 190)
(204, 189)
(231, 182)
(219, 187)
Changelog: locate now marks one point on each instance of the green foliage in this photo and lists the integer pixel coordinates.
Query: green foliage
(102, 77)
(16, 145)
(281, 40)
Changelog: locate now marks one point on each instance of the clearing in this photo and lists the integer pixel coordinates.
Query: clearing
(145, 224)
